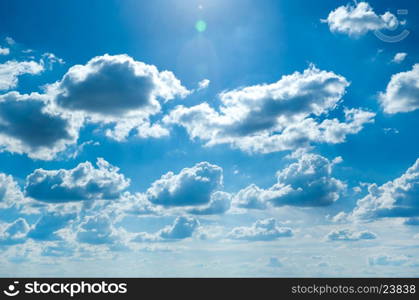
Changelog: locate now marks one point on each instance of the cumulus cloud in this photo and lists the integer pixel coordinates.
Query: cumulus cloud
(396, 198)
(29, 126)
(84, 182)
(10, 193)
(4, 51)
(307, 182)
(220, 203)
(387, 260)
(135, 204)
(117, 90)
(14, 233)
(97, 230)
(50, 59)
(399, 57)
(359, 19)
(12, 69)
(350, 235)
(192, 186)
(261, 230)
(183, 227)
(274, 117)
(402, 92)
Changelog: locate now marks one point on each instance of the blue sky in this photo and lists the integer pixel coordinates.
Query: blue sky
(279, 140)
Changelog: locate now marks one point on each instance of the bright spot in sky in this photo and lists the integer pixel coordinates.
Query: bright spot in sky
(201, 26)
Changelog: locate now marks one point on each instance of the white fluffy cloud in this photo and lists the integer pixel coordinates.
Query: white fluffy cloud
(97, 230)
(274, 117)
(203, 84)
(29, 126)
(350, 235)
(12, 69)
(397, 198)
(117, 90)
(84, 182)
(387, 260)
(307, 182)
(359, 19)
(183, 227)
(399, 57)
(4, 51)
(261, 230)
(191, 187)
(220, 203)
(402, 92)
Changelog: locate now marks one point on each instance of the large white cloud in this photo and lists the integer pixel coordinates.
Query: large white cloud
(84, 182)
(12, 69)
(274, 117)
(117, 90)
(397, 198)
(359, 19)
(402, 92)
(191, 187)
(261, 230)
(307, 182)
(387, 260)
(28, 125)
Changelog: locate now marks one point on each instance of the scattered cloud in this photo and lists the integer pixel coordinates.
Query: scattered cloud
(4, 51)
(307, 182)
(220, 203)
(29, 126)
(387, 260)
(348, 235)
(183, 227)
(97, 230)
(261, 230)
(47, 226)
(190, 187)
(119, 91)
(402, 92)
(274, 263)
(10, 41)
(10, 193)
(399, 57)
(250, 197)
(203, 84)
(84, 182)
(13, 233)
(359, 19)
